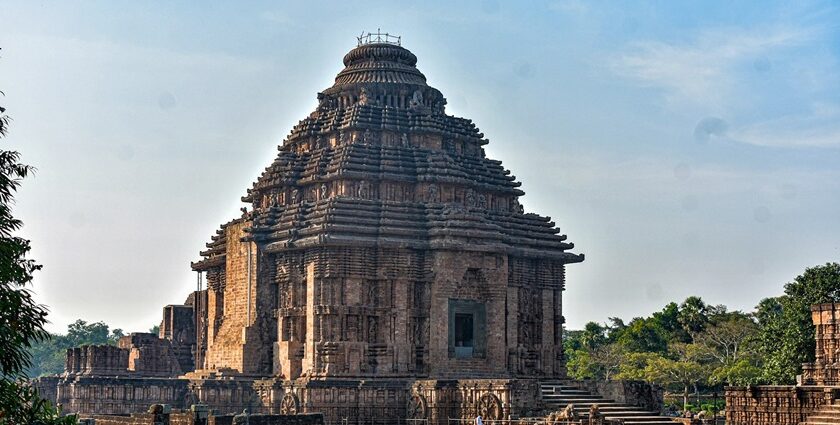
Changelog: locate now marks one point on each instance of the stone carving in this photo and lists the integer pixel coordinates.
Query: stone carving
(289, 405)
(363, 97)
(417, 407)
(242, 418)
(469, 198)
(404, 140)
(416, 100)
(433, 193)
(490, 407)
(325, 192)
(363, 190)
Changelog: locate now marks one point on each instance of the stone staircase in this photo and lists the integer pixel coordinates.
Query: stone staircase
(825, 415)
(557, 395)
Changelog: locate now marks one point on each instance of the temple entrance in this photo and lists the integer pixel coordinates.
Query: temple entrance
(464, 330)
(467, 329)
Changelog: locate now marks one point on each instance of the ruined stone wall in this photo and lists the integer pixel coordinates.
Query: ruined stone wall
(240, 312)
(825, 370)
(96, 360)
(773, 405)
(633, 393)
(179, 328)
(149, 355)
(118, 395)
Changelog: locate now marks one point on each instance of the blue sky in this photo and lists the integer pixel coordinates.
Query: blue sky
(686, 148)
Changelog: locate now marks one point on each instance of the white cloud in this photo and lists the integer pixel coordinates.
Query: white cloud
(818, 128)
(702, 71)
(715, 73)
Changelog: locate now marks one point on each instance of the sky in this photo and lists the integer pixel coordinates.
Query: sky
(687, 148)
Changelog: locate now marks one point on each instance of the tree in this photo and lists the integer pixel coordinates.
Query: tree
(685, 372)
(608, 359)
(693, 315)
(633, 366)
(22, 320)
(787, 333)
(643, 335)
(579, 364)
(729, 345)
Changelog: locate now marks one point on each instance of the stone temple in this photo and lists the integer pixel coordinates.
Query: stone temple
(383, 268)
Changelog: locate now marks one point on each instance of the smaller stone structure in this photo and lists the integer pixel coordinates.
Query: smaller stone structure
(817, 387)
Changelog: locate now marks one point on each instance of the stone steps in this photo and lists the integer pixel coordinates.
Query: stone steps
(556, 395)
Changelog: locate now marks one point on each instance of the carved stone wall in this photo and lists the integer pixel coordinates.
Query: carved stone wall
(773, 405)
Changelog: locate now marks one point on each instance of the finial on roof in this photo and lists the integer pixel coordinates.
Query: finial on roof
(378, 37)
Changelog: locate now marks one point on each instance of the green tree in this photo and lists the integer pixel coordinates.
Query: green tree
(693, 315)
(643, 335)
(729, 345)
(633, 366)
(684, 373)
(786, 338)
(22, 320)
(579, 364)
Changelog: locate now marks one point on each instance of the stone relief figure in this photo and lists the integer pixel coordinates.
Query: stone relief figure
(416, 100)
(439, 106)
(416, 407)
(404, 140)
(470, 198)
(295, 196)
(482, 201)
(372, 328)
(324, 191)
(433, 193)
(363, 189)
(366, 137)
(344, 138)
(364, 97)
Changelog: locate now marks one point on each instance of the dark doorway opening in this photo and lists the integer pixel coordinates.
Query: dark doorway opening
(464, 335)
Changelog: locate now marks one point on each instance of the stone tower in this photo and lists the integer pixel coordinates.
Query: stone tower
(383, 243)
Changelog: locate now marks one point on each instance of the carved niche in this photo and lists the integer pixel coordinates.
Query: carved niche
(530, 317)
(417, 407)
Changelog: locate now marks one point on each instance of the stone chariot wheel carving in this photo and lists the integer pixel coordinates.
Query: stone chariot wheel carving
(489, 407)
(416, 407)
(289, 405)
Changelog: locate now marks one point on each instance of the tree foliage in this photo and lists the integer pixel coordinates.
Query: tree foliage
(787, 332)
(22, 320)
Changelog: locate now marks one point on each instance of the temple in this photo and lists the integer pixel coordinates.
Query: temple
(814, 400)
(382, 268)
